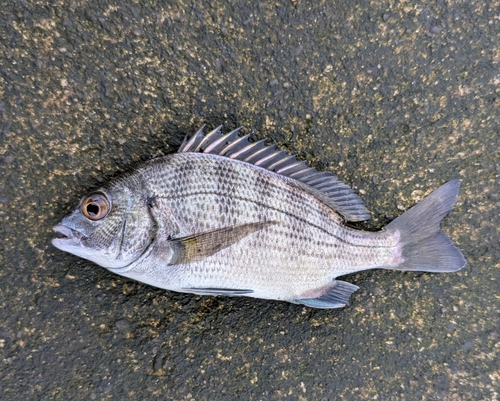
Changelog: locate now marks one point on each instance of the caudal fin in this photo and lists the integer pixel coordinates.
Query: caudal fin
(425, 246)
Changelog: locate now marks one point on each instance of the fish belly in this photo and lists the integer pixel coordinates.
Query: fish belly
(304, 248)
(279, 262)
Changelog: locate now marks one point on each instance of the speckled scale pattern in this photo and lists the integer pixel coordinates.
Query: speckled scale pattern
(306, 248)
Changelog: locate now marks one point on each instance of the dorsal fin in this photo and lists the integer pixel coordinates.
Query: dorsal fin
(324, 185)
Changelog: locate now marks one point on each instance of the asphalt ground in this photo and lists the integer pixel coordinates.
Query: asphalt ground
(395, 97)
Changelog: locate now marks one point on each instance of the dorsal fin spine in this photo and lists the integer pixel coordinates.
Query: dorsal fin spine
(265, 151)
(275, 165)
(193, 140)
(289, 167)
(208, 138)
(222, 141)
(262, 161)
(271, 160)
(298, 172)
(302, 177)
(297, 168)
(253, 147)
(292, 167)
(233, 145)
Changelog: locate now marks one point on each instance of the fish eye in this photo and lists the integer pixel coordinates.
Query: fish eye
(95, 206)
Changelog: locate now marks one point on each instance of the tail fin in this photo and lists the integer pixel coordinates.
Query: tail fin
(425, 246)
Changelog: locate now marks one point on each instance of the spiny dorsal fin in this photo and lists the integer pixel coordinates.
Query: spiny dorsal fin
(324, 185)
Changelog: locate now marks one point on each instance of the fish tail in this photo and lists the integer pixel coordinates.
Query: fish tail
(425, 247)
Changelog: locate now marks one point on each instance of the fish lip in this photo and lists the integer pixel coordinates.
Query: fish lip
(67, 236)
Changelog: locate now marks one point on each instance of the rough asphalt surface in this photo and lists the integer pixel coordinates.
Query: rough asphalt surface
(395, 97)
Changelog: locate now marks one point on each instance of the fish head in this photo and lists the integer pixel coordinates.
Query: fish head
(111, 227)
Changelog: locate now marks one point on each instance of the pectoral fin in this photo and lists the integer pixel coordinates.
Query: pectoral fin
(336, 295)
(199, 246)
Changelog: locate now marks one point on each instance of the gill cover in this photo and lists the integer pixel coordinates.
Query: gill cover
(111, 227)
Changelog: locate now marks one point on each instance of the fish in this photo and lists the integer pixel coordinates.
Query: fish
(226, 215)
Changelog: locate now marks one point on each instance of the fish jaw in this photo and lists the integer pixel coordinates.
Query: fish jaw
(69, 239)
(73, 241)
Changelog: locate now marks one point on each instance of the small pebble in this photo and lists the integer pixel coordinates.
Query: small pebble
(122, 325)
(467, 346)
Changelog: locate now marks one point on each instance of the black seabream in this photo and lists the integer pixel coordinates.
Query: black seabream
(225, 216)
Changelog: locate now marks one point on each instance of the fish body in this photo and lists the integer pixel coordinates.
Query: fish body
(224, 216)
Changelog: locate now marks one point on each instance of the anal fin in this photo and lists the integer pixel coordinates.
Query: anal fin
(335, 295)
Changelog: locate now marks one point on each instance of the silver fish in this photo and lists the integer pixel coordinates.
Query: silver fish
(225, 216)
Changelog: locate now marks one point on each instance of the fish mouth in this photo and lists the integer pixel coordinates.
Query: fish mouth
(65, 237)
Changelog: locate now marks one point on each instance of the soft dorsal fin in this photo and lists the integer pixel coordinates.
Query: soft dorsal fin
(324, 185)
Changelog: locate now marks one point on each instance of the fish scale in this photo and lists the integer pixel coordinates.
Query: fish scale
(206, 221)
(303, 222)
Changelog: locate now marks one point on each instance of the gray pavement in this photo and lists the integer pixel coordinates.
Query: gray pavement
(396, 98)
